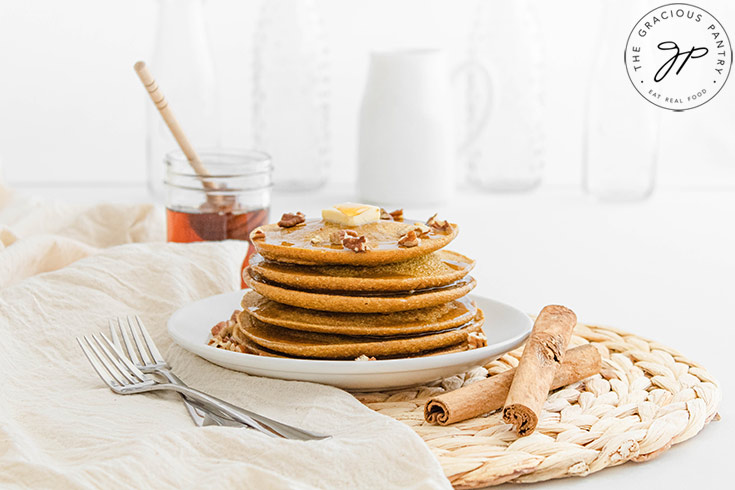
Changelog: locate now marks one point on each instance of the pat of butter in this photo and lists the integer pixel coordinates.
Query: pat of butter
(351, 214)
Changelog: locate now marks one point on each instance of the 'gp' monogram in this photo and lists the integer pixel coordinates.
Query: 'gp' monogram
(693, 53)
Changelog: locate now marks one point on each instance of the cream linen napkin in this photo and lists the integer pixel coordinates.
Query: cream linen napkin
(60, 427)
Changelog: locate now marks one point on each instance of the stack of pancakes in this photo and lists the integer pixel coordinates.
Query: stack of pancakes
(313, 297)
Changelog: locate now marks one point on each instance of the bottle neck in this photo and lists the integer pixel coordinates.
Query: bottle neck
(181, 18)
(181, 38)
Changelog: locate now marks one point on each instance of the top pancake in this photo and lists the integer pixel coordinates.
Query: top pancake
(433, 270)
(308, 243)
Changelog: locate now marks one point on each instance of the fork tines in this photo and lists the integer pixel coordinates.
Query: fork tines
(114, 369)
(136, 341)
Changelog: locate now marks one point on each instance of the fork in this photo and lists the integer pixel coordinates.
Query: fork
(154, 363)
(123, 377)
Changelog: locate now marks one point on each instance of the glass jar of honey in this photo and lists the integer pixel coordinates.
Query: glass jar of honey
(227, 204)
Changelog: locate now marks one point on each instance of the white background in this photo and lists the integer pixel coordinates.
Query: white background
(72, 109)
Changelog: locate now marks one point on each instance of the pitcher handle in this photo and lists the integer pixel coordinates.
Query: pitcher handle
(476, 129)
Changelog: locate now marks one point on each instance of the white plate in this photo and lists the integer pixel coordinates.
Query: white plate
(505, 327)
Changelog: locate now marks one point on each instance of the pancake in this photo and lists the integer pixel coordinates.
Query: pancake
(350, 302)
(252, 348)
(308, 243)
(432, 319)
(433, 270)
(309, 344)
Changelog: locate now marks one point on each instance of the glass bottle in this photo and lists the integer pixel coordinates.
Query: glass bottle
(501, 120)
(620, 143)
(291, 93)
(183, 67)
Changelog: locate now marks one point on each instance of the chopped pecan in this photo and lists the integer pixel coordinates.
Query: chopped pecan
(397, 215)
(475, 340)
(224, 328)
(409, 240)
(337, 237)
(233, 317)
(356, 244)
(258, 235)
(288, 220)
(421, 229)
(439, 225)
(218, 328)
(365, 358)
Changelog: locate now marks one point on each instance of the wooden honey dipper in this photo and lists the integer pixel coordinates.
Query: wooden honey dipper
(208, 225)
(159, 100)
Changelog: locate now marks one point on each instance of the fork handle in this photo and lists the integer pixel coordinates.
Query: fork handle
(241, 415)
(214, 416)
(284, 430)
(213, 405)
(194, 408)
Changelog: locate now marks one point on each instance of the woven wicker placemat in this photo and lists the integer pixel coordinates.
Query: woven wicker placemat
(647, 398)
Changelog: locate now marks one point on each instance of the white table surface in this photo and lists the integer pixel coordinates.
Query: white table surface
(663, 268)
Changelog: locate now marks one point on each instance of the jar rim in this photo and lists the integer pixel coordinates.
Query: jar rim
(223, 192)
(221, 162)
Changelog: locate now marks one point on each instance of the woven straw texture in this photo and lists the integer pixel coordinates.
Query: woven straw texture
(647, 398)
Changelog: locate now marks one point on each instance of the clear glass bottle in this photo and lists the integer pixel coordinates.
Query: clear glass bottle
(291, 93)
(183, 67)
(501, 120)
(621, 131)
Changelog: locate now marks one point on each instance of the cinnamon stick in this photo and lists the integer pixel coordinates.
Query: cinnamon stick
(490, 394)
(542, 355)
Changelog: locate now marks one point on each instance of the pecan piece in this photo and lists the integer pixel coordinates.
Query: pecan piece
(258, 235)
(363, 357)
(337, 237)
(288, 220)
(442, 226)
(421, 229)
(409, 240)
(218, 328)
(356, 244)
(233, 317)
(475, 340)
(397, 215)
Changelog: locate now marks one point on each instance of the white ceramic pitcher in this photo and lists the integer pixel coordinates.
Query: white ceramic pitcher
(406, 149)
